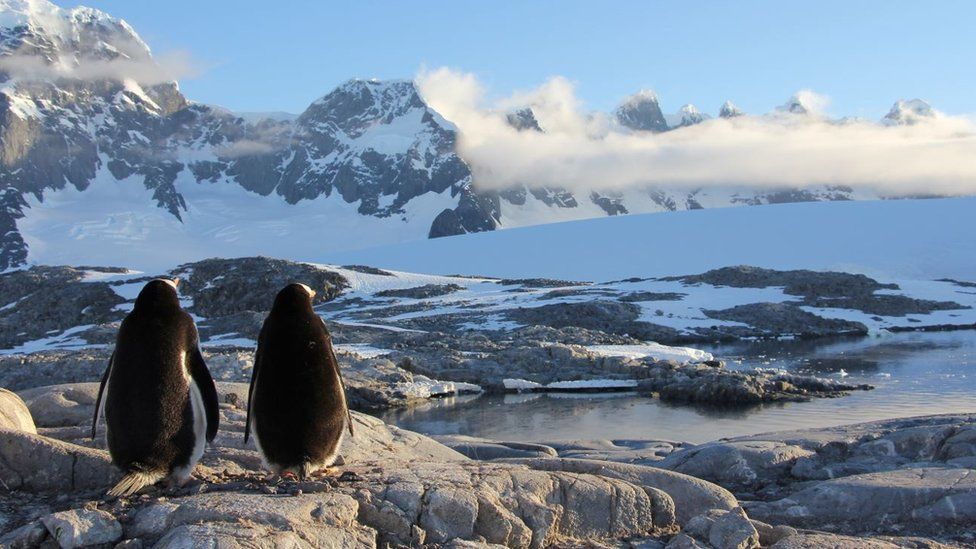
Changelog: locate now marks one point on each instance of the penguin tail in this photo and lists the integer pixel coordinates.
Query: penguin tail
(134, 481)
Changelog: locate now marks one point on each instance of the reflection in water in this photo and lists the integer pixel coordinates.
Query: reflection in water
(915, 374)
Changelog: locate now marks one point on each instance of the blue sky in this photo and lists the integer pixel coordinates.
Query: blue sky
(264, 56)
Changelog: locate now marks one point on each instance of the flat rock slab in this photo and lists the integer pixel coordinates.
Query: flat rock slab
(691, 496)
(476, 448)
(638, 452)
(822, 540)
(772, 466)
(922, 500)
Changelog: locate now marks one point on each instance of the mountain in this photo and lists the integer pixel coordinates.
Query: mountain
(523, 119)
(100, 149)
(908, 113)
(71, 119)
(642, 112)
(688, 115)
(729, 110)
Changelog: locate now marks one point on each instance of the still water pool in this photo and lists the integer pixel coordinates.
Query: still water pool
(914, 374)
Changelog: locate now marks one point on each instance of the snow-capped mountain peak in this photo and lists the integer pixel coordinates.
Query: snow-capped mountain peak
(729, 110)
(523, 119)
(907, 113)
(687, 115)
(642, 112)
(66, 37)
(100, 152)
(804, 103)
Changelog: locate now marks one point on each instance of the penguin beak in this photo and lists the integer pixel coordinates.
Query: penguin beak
(176, 282)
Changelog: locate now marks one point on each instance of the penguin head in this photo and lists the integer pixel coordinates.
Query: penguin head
(294, 297)
(158, 293)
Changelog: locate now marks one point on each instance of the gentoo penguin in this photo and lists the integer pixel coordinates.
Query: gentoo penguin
(297, 401)
(160, 401)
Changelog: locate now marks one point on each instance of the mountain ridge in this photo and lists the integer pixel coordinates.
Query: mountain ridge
(84, 106)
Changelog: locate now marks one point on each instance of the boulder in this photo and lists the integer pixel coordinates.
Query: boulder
(82, 527)
(684, 541)
(37, 463)
(62, 405)
(234, 519)
(740, 465)
(503, 503)
(28, 535)
(150, 521)
(726, 529)
(734, 531)
(14, 413)
(691, 496)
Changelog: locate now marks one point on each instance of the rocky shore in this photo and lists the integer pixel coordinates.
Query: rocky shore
(900, 483)
(403, 337)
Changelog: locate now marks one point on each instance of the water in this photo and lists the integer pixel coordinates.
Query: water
(914, 374)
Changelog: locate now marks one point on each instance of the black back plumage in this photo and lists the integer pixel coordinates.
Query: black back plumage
(147, 407)
(296, 401)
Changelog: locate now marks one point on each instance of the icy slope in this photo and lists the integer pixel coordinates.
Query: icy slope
(907, 239)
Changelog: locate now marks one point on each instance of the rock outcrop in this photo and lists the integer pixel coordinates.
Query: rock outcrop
(403, 489)
(14, 413)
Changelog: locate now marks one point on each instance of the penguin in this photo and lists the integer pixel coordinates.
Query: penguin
(296, 409)
(160, 402)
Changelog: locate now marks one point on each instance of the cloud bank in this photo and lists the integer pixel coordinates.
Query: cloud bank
(167, 67)
(784, 148)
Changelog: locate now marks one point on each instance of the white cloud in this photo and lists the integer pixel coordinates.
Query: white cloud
(244, 147)
(165, 68)
(583, 150)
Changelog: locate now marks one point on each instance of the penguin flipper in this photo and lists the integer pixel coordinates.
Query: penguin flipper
(101, 388)
(208, 391)
(250, 391)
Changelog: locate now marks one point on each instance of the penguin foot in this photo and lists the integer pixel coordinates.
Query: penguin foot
(325, 473)
(289, 476)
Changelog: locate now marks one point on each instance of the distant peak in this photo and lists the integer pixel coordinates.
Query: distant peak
(42, 14)
(80, 32)
(642, 111)
(910, 112)
(805, 102)
(642, 96)
(523, 119)
(375, 84)
(729, 110)
(687, 115)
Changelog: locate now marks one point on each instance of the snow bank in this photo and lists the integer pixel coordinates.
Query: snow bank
(425, 387)
(520, 385)
(362, 350)
(655, 351)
